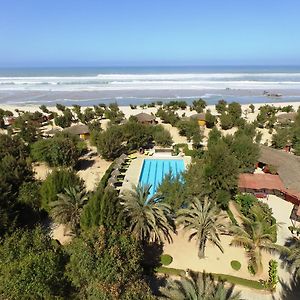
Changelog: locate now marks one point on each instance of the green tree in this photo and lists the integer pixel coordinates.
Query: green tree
(221, 106)
(198, 286)
(280, 138)
(172, 190)
(203, 221)
(235, 111)
(136, 135)
(198, 105)
(220, 169)
(256, 237)
(246, 151)
(292, 256)
(107, 265)
(55, 183)
(149, 218)
(210, 119)
(110, 142)
(60, 150)
(31, 267)
(252, 108)
(226, 121)
(188, 128)
(102, 209)
(68, 207)
(161, 136)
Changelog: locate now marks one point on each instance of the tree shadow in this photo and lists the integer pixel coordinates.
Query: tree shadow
(151, 260)
(84, 164)
(291, 290)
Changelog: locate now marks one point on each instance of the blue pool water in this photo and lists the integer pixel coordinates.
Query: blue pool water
(154, 171)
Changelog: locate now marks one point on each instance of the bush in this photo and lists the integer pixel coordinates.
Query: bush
(166, 259)
(221, 107)
(235, 265)
(161, 136)
(55, 183)
(226, 121)
(61, 150)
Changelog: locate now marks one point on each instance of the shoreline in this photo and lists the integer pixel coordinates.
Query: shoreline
(138, 97)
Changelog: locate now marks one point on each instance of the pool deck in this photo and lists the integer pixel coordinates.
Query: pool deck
(133, 173)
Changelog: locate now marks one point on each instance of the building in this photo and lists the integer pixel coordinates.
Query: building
(286, 118)
(200, 118)
(80, 129)
(144, 118)
(285, 185)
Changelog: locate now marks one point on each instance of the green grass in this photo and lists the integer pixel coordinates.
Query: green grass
(236, 265)
(166, 259)
(232, 279)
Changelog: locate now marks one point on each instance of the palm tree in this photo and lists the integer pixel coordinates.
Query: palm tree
(292, 259)
(204, 221)
(256, 236)
(67, 209)
(149, 218)
(197, 286)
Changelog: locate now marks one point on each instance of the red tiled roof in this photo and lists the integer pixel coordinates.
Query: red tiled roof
(258, 182)
(261, 181)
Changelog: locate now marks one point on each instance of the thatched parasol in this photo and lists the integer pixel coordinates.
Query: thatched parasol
(112, 181)
(115, 173)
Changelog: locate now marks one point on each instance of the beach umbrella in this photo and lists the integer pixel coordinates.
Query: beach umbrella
(117, 165)
(115, 173)
(123, 157)
(111, 181)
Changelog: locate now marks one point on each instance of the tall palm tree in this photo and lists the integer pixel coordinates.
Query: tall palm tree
(292, 255)
(68, 207)
(255, 236)
(149, 218)
(204, 221)
(197, 286)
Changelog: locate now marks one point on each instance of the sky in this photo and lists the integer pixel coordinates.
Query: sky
(149, 32)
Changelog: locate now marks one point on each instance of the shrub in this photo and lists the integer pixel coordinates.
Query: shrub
(166, 259)
(55, 183)
(236, 265)
(162, 136)
(226, 121)
(221, 106)
(61, 150)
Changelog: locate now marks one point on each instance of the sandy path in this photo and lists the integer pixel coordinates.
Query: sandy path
(185, 256)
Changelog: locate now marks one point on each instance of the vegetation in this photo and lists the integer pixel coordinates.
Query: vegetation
(55, 183)
(31, 266)
(62, 150)
(149, 218)
(221, 106)
(235, 265)
(203, 221)
(197, 286)
(198, 105)
(166, 259)
(68, 207)
(106, 265)
(255, 237)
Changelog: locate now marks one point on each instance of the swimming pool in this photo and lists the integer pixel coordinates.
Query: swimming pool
(154, 170)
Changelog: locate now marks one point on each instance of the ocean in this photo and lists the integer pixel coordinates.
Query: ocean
(137, 85)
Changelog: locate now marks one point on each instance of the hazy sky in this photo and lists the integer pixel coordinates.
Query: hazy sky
(149, 32)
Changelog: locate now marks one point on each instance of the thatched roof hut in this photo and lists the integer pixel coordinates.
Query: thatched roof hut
(145, 118)
(198, 117)
(80, 129)
(288, 166)
(286, 117)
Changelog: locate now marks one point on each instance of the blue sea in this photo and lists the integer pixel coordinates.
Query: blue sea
(137, 85)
